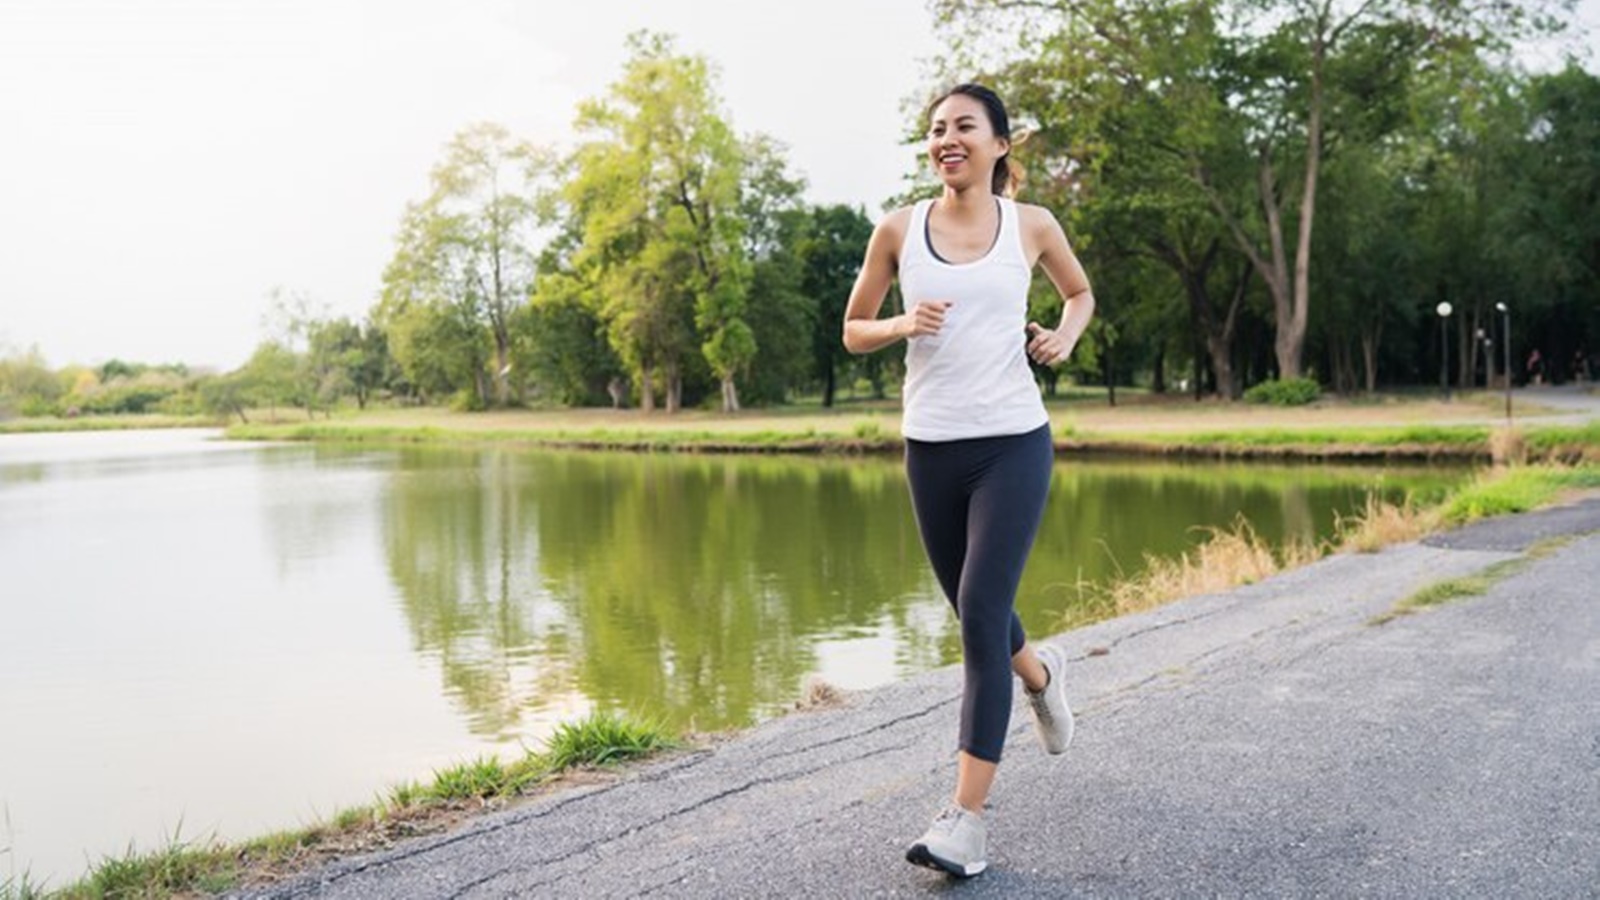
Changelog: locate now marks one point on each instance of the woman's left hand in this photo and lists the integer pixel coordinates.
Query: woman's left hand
(1046, 346)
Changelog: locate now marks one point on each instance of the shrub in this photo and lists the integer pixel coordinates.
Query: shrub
(1285, 392)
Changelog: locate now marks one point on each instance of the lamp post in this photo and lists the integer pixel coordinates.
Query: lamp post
(1481, 341)
(1444, 309)
(1505, 339)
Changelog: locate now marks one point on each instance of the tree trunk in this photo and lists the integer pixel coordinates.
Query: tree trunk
(730, 395)
(1369, 358)
(502, 367)
(1111, 381)
(1292, 334)
(1216, 336)
(674, 389)
(647, 389)
(829, 385)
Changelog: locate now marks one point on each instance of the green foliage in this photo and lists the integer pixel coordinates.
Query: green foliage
(1285, 392)
(830, 244)
(657, 221)
(463, 265)
(559, 343)
(27, 385)
(1178, 142)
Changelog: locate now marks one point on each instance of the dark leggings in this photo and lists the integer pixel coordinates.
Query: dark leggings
(978, 504)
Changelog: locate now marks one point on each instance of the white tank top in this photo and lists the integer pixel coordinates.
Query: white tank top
(972, 378)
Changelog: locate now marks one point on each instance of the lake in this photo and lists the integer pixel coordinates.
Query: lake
(201, 637)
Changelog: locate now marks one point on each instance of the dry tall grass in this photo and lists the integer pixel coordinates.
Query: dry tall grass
(1379, 523)
(1237, 555)
(1230, 557)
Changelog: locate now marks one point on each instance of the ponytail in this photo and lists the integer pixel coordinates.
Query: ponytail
(1009, 177)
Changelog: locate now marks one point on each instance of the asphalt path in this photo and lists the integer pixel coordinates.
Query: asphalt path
(1275, 740)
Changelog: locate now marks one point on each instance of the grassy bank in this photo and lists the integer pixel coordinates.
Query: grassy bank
(1425, 429)
(1237, 556)
(107, 423)
(405, 810)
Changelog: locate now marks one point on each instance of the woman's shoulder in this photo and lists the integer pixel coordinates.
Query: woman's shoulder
(1032, 212)
(1037, 219)
(894, 224)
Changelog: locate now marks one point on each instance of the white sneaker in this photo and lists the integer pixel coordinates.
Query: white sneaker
(956, 842)
(1052, 717)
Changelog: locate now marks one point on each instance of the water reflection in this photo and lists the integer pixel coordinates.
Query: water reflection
(700, 590)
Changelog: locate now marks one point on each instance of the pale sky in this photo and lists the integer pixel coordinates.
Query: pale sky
(164, 164)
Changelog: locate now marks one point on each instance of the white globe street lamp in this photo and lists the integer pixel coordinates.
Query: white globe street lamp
(1444, 309)
(1505, 339)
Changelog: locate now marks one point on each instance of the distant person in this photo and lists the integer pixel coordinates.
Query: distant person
(978, 446)
(1580, 365)
(1535, 368)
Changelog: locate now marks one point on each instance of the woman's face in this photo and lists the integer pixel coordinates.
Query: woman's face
(962, 144)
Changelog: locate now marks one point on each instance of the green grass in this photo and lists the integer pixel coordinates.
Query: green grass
(19, 887)
(859, 437)
(602, 740)
(802, 428)
(1446, 437)
(211, 866)
(1442, 592)
(872, 435)
(1565, 441)
(106, 423)
(1474, 585)
(1516, 489)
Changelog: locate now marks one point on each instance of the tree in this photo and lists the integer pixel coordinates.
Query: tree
(655, 194)
(1258, 92)
(560, 344)
(27, 384)
(778, 309)
(469, 246)
(1556, 227)
(269, 378)
(830, 250)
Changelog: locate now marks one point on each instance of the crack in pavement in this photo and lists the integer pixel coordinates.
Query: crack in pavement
(929, 710)
(591, 846)
(757, 839)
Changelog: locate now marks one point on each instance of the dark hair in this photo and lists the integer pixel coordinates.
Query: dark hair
(1007, 177)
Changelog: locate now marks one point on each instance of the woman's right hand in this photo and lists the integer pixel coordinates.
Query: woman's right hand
(926, 318)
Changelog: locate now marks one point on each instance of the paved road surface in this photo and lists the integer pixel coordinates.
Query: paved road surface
(1270, 741)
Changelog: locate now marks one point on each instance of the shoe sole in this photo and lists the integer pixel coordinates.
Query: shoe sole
(920, 855)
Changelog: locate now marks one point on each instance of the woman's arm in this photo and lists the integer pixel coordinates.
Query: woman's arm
(864, 332)
(1052, 346)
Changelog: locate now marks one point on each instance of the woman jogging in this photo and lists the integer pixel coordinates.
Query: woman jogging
(978, 445)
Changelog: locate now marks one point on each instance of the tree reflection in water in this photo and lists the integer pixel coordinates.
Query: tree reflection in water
(700, 590)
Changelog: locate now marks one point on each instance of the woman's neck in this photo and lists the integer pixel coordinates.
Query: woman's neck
(977, 200)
